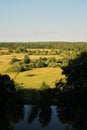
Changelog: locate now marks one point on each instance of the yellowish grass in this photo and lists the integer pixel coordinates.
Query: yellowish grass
(32, 78)
(5, 59)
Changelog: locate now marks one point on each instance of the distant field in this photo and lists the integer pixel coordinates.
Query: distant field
(32, 78)
(4, 58)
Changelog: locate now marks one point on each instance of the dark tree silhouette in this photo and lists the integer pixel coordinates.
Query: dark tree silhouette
(76, 71)
(10, 110)
(10, 114)
(72, 105)
(7, 88)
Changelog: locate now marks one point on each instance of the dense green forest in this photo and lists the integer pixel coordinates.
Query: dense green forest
(46, 45)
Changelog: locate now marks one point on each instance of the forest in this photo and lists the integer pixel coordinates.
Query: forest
(46, 45)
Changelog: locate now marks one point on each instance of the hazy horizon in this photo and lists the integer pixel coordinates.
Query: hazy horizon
(42, 21)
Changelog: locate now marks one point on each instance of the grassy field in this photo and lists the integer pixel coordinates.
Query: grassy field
(32, 78)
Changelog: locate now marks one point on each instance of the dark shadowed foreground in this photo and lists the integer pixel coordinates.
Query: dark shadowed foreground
(69, 100)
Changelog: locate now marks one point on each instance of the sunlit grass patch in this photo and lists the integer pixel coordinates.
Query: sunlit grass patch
(49, 75)
(32, 78)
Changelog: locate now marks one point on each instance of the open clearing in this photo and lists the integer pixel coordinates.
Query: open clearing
(32, 78)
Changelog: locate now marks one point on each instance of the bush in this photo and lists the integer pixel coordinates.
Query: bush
(44, 86)
(32, 65)
(49, 60)
(15, 68)
(26, 59)
(25, 67)
(53, 64)
(40, 64)
(21, 49)
(19, 67)
(13, 60)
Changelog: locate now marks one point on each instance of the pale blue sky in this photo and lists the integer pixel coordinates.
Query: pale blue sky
(43, 20)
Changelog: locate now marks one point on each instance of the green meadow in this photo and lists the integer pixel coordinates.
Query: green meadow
(35, 77)
(32, 78)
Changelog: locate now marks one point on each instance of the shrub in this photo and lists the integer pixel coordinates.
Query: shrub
(44, 86)
(21, 49)
(32, 65)
(53, 64)
(19, 67)
(26, 59)
(40, 64)
(49, 60)
(13, 60)
(15, 68)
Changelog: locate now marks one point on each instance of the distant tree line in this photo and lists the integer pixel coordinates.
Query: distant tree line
(45, 45)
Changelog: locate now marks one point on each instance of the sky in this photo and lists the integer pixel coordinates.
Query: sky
(43, 20)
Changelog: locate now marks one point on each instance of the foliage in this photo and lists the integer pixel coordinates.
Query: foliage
(64, 46)
(40, 63)
(53, 64)
(13, 60)
(64, 62)
(76, 71)
(49, 60)
(26, 59)
(72, 104)
(29, 64)
(44, 86)
(20, 49)
(18, 67)
(7, 88)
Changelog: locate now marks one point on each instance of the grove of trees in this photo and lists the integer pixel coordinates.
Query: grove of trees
(62, 46)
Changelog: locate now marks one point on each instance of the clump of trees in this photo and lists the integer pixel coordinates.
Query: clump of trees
(26, 59)
(11, 111)
(76, 71)
(22, 46)
(7, 89)
(72, 99)
(27, 64)
(13, 60)
(21, 49)
(42, 48)
(75, 88)
(43, 52)
(18, 65)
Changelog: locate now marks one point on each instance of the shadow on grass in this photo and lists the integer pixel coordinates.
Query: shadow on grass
(30, 75)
